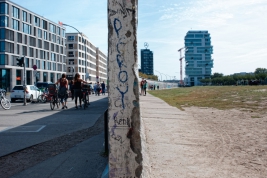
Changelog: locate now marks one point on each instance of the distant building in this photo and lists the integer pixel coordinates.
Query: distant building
(147, 65)
(96, 61)
(198, 50)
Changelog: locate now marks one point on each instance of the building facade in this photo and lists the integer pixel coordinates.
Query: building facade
(199, 62)
(77, 50)
(147, 64)
(40, 41)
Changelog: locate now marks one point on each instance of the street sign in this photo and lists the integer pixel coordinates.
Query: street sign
(34, 67)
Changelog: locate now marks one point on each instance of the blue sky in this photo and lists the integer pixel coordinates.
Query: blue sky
(237, 27)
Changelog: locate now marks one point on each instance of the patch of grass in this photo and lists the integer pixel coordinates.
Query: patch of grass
(220, 97)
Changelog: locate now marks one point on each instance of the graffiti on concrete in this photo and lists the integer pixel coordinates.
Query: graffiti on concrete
(124, 156)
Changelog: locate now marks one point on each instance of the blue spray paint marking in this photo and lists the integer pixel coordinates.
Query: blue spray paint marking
(122, 95)
(121, 75)
(120, 62)
(116, 21)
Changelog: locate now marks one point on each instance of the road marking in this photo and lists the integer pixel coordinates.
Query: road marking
(31, 128)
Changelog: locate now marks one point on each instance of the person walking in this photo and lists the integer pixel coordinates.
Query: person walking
(78, 89)
(95, 89)
(63, 90)
(144, 87)
(98, 88)
(103, 87)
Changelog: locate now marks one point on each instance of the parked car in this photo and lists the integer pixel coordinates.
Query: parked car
(42, 85)
(32, 93)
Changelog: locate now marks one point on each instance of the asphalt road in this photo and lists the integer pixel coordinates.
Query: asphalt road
(24, 126)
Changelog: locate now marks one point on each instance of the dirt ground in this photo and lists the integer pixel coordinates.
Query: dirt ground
(205, 142)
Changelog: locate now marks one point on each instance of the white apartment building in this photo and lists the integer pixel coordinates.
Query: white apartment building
(95, 64)
(41, 41)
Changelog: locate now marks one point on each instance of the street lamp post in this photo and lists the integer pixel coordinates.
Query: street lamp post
(165, 76)
(84, 41)
(160, 74)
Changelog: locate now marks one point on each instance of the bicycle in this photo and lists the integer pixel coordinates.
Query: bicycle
(53, 96)
(85, 92)
(5, 103)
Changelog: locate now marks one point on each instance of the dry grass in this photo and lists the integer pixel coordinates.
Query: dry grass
(246, 98)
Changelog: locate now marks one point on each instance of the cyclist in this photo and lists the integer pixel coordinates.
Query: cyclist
(77, 86)
(63, 90)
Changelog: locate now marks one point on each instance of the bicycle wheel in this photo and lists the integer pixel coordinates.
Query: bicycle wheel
(52, 104)
(5, 103)
(87, 100)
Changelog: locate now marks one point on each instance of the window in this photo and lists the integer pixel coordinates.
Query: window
(53, 57)
(70, 46)
(70, 38)
(3, 21)
(24, 16)
(18, 47)
(6, 34)
(70, 54)
(57, 48)
(41, 54)
(38, 64)
(36, 54)
(15, 12)
(24, 50)
(30, 20)
(37, 21)
(25, 39)
(39, 43)
(58, 30)
(4, 8)
(53, 38)
(31, 52)
(48, 65)
(26, 28)
(63, 32)
(39, 33)
(15, 24)
(2, 46)
(52, 28)
(9, 47)
(44, 24)
(45, 76)
(45, 35)
(32, 41)
(46, 45)
(58, 40)
(19, 36)
(3, 59)
(27, 62)
(52, 47)
(71, 61)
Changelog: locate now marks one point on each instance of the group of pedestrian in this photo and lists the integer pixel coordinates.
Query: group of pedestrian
(100, 88)
(76, 89)
(143, 86)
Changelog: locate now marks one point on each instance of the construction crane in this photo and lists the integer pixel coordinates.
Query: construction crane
(181, 65)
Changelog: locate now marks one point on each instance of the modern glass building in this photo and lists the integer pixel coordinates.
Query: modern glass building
(41, 41)
(198, 51)
(147, 66)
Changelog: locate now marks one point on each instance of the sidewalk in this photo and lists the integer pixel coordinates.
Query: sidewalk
(164, 126)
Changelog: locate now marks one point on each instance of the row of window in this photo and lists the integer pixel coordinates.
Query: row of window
(26, 17)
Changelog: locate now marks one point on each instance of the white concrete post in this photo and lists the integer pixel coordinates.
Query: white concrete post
(125, 157)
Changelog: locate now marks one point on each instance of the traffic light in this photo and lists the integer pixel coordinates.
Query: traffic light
(20, 62)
